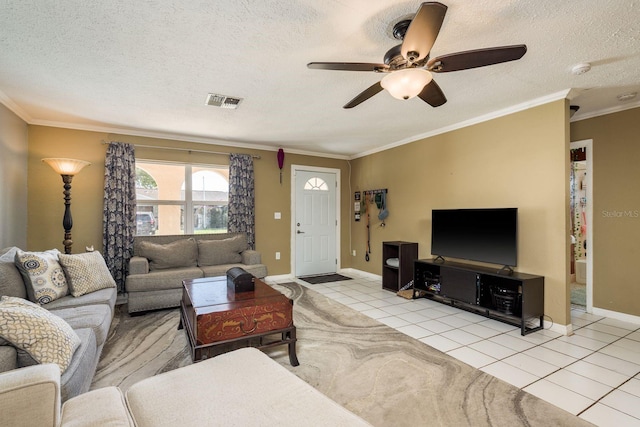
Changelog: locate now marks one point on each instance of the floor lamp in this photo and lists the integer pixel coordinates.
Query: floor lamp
(67, 168)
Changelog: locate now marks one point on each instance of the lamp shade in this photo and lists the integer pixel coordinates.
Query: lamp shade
(66, 166)
(406, 83)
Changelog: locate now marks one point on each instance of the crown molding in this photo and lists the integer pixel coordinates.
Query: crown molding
(604, 112)
(480, 119)
(8, 102)
(179, 137)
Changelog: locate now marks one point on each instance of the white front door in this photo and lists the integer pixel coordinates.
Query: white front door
(315, 222)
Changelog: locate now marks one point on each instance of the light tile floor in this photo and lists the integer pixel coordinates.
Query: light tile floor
(594, 374)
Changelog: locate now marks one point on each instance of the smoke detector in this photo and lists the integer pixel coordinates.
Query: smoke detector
(223, 101)
(581, 68)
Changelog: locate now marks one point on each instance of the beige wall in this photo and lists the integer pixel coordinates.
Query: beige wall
(13, 179)
(616, 207)
(46, 201)
(520, 160)
(47, 206)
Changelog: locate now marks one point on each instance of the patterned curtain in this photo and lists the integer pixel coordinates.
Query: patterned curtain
(119, 215)
(241, 196)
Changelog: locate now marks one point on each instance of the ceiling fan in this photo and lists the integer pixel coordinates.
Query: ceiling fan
(408, 66)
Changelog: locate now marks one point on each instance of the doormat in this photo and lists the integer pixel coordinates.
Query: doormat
(324, 278)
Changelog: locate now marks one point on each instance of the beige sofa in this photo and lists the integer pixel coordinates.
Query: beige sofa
(241, 388)
(160, 264)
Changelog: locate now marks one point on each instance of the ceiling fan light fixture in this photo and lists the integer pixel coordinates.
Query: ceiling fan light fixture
(406, 83)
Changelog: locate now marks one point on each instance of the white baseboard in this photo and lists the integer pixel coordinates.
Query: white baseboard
(561, 329)
(360, 273)
(616, 315)
(280, 278)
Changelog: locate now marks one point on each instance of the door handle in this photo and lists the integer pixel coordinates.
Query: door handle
(300, 232)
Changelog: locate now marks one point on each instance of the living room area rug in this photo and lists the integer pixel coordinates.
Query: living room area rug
(384, 376)
(324, 278)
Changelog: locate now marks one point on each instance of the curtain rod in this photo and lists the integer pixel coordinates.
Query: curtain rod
(255, 156)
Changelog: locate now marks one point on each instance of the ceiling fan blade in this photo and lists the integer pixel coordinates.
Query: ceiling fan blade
(423, 31)
(347, 66)
(476, 58)
(364, 95)
(432, 94)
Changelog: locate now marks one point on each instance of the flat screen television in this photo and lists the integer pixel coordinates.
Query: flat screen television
(485, 235)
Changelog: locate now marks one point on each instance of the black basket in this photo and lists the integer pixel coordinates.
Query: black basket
(506, 300)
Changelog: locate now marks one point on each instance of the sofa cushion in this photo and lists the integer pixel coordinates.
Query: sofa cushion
(96, 317)
(42, 274)
(23, 358)
(259, 270)
(103, 296)
(101, 407)
(86, 273)
(78, 376)
(161, 279)
(8, 358)
(46, 337)
(11, 283)
(213, 393)
(181, 253)
(225, 251)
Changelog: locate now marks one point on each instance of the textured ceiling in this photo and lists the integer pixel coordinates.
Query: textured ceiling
(146, 67)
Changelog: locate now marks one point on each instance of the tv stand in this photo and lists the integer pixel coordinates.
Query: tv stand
(505, 295)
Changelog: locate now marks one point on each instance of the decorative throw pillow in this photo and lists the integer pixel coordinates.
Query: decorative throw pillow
(224, 251)
(42, 275)
(86, 273)
(45, 336)
(181, 253)
(11, 283)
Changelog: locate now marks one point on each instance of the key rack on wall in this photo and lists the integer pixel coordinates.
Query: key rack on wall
(374, 192)
(369, 197)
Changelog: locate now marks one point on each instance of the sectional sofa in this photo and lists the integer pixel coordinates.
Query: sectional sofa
(89, 316)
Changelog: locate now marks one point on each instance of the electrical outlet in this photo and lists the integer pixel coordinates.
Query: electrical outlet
(354, 252)
(277, 255)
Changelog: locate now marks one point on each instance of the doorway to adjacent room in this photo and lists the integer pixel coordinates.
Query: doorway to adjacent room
(581, 224)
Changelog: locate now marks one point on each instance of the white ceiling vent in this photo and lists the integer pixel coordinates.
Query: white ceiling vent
(223, 101)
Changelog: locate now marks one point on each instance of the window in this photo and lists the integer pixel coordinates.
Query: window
(166, 191)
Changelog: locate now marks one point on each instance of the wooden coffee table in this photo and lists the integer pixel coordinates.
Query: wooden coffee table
(217, 321)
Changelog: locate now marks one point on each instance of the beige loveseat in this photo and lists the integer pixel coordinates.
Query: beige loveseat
(161, 263)
(241, 388)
